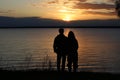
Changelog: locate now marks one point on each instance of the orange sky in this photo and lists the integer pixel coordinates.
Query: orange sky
(66, 10)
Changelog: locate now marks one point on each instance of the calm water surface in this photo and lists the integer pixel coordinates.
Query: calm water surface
(99, 49)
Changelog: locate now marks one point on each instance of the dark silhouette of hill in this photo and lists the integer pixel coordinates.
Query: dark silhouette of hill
(43, 22)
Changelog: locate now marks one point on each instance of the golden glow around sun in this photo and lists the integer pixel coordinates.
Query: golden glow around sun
(67, 18)
(66, 14)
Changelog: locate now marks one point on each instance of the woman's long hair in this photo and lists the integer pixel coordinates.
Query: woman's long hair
(71, 35)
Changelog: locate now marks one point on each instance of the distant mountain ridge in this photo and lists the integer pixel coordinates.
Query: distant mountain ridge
(42, 22)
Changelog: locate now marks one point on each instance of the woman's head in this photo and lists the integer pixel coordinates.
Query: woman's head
(71, 35)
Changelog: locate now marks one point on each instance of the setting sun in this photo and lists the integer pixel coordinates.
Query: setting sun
(67, 18)
(66, 14)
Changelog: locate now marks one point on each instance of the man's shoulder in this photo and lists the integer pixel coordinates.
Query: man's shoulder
(57, 36)
(61, 36)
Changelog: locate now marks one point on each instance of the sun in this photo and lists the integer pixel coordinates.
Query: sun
(66, 14)
(67, 18)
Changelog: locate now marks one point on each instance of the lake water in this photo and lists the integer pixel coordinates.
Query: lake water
(28, 48)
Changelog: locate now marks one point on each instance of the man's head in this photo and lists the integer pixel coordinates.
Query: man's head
(61, 30)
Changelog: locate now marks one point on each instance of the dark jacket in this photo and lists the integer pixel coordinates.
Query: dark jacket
(60, 44)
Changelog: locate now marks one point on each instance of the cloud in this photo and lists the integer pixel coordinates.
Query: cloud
(100, 13)
(103, 1)
(79, 0)
(111, 0)
(6, 11)
(53, 2)
(97, 7)
(82, 0)
(93, 6)
(66, 2)
(94, 1)
(34, 4)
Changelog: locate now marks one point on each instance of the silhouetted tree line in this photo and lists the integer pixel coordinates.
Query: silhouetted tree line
(117, 3)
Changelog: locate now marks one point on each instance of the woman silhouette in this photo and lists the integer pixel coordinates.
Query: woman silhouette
(72, 53)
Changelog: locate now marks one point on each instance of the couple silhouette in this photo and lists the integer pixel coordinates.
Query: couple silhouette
(66, 47)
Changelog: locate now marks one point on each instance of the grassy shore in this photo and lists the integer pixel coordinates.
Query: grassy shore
(54, 75)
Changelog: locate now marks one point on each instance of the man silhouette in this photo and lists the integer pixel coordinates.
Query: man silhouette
(60, 48)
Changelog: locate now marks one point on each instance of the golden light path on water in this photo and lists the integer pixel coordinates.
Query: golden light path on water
(85, 50)
(44, 51)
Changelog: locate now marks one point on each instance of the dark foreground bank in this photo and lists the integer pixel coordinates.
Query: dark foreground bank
(54, 75)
